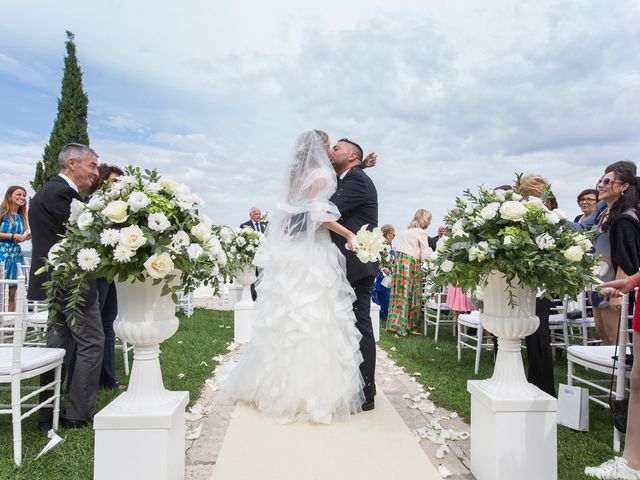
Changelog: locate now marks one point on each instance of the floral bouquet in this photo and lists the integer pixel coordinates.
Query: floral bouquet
(240, 244)
(499, 230)
(140, 227)
(369, 245)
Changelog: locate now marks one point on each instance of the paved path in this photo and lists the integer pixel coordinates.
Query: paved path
(431, 428)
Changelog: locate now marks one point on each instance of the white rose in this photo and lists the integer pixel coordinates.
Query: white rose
(159, 266)
(85, 221)
(545, 241)
(132, 237)
(500, 195)
(535, 200)
(158, 222)
(153, 187)
(513, 211)
(551, 218)
(583, 242)
(560, 213)
(77, 207)
(194, 251)
(490, 211)
(96, 203)
(515, 196)
(116, 211)
(574, 254)
(202, 231)
(507, 240)
(441, 244)
(447, 266)
(168, 185)
(478, 252)
(226, 234)
(137, 201)
(109, 237)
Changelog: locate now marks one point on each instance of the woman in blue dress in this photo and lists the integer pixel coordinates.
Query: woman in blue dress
(382, 286)
(14, 229)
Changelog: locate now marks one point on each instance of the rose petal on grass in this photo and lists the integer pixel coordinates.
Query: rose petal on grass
(194, 433)
(442, 450)
(204, 364)
(181, 375)
(192, 417)
(444, 471)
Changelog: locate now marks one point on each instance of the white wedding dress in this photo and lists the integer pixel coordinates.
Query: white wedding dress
(303, 360)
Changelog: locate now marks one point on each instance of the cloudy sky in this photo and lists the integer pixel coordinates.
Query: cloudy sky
(450, 94)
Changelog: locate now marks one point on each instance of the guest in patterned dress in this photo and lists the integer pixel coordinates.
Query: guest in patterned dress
(405, 312)
(14, 229)
(382, 285)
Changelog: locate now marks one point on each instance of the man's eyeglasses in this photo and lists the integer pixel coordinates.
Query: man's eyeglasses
(587, 200)
(607, 181)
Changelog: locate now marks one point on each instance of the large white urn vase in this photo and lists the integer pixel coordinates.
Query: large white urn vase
(510, 323)
(145, 319)
(245, 277)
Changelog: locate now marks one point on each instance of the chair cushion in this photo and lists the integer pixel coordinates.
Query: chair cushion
(30, 357)
(39, 318)
(599, 355)
(556, 319)
(472, 318)
(434, 305)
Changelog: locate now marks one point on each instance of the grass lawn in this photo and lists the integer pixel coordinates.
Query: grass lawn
(198, 339)
(437, 362)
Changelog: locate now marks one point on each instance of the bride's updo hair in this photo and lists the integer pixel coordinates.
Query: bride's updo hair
(324, 137)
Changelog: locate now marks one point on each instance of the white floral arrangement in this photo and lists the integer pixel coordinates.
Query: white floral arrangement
(369, 245)
(141, 227)
(529, 243)
(240, 245)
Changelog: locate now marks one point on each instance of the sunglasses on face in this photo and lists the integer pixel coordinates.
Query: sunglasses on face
(607, 181)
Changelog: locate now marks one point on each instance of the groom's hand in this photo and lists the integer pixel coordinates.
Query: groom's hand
(370, 160)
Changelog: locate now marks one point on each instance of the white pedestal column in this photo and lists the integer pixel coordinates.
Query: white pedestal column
(235, 291)
(135, 445)
(375, 320)
(512, 437)
(244, 308)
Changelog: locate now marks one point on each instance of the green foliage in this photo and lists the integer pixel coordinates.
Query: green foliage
(70, 124)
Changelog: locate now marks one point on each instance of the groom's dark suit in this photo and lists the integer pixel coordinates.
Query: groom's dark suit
(357, 201)
(48, 212)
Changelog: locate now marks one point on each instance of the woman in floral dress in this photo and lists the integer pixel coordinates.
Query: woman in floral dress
(14, 229)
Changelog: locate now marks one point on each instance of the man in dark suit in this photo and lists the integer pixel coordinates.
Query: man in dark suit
(433, 241)
(357, 200)
(254, 222)
(48, 212)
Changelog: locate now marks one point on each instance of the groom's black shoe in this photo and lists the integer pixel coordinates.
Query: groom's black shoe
(368, 405)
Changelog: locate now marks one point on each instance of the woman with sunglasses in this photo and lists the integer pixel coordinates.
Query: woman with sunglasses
(617, 241)
(587, 200)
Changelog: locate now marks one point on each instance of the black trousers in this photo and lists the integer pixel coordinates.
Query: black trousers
(362, 311)
(539, 356)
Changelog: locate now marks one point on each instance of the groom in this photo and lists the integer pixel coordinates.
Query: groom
(357, 201)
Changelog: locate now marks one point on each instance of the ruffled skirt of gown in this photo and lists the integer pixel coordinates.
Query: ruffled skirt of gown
(302, 363)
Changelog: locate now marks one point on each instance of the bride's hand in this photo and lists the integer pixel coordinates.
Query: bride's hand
(370, 160)
(350, 237)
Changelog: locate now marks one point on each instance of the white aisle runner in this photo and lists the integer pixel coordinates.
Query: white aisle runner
(372, 445)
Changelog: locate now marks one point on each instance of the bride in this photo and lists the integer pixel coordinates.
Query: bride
(303, 360)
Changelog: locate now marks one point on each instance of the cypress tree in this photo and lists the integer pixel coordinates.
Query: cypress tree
(70, 124)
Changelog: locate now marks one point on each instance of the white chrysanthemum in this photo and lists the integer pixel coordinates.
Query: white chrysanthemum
(123, 254)
(574, 254)
(137, 201)
(85, 221)
(513, 211)
(132, 237)
(110, 237)
(194, 251)
(158, 222)
(545, 241)
(159, 266)
(96, 203)
(88, 259)
(77, 207)
(447, 266)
